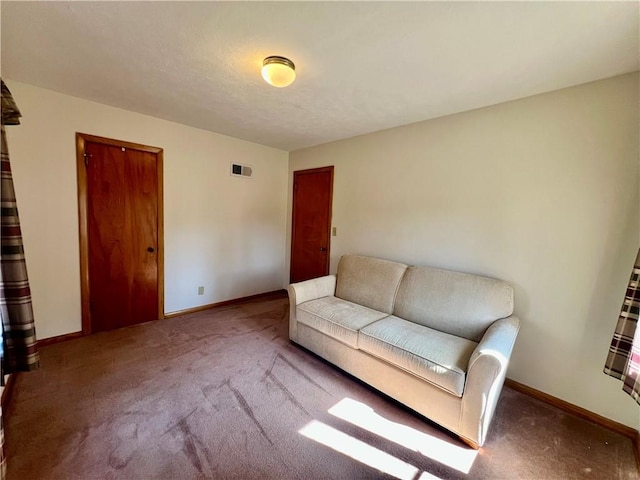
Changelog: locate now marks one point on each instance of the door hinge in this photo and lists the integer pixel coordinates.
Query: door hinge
(86, 159)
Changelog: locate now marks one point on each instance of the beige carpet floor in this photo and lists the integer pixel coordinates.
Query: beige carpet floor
(224, 394)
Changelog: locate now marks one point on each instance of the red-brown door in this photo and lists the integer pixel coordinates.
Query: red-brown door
(311, 225)
(122, 218)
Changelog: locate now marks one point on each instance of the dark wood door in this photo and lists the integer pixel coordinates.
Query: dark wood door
(122, 228)
(311, 218)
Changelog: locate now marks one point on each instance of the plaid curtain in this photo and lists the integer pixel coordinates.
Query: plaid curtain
(19, 346)
(623, 361)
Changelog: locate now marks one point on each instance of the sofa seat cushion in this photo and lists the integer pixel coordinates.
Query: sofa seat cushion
(337, 318)
(437, 357)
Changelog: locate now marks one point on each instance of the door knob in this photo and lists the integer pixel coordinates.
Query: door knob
(323, 249)
(150, 249)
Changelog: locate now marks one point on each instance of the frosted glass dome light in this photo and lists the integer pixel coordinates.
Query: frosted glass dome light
(278, 71)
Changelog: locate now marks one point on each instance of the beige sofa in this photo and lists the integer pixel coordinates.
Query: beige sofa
(437, 341)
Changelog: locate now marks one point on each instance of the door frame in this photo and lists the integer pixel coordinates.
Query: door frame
(293, 213)
(83, 206)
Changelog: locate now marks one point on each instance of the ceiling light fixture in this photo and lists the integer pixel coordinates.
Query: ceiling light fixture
(278, 71)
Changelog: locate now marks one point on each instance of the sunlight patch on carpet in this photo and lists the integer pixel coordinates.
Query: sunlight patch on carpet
(428, 476)
(358, 450)
(357, 413)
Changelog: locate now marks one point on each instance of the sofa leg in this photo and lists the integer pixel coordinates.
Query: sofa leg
(471, 443)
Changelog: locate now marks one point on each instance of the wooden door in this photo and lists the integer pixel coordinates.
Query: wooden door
(311, 223)
(122, 219)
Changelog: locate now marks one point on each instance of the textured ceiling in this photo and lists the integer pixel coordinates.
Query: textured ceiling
(362, 66)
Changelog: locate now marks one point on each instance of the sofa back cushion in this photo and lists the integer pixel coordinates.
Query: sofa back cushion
(369, 281)
(460, 304)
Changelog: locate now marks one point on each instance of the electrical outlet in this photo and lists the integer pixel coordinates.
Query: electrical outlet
(200, 290)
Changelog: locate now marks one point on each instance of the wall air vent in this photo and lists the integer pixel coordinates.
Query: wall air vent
(238, 170)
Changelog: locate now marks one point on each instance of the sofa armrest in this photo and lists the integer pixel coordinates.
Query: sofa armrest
(311, 289)
(303, 292)
(485, 376)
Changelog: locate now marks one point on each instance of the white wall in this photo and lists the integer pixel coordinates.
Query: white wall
(542, 192)
(224, 233)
